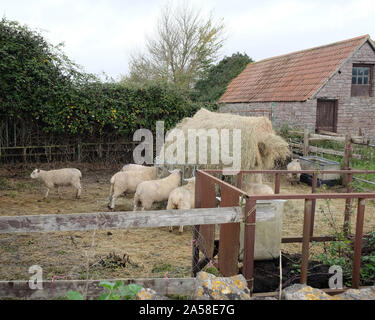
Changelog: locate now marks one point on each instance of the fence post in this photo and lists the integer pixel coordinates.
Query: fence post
(314, 184)
(306, 142)
(207, 232)
(194, 242)
(347, 181)
(249, 242)
(306, 241)
(277, 183)
(348, 205)
(358, 243)
(229, 243)
(347, 155)
(239, 180)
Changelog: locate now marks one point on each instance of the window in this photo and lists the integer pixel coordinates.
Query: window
(360, 75)
(362, 80)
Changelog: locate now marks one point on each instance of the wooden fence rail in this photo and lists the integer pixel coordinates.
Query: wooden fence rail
(118, 220)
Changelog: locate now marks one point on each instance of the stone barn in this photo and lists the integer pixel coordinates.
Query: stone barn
(326, 88)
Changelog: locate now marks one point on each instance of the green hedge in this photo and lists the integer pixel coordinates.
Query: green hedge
(39, 82)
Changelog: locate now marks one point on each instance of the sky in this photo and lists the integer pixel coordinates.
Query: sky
(100, 35)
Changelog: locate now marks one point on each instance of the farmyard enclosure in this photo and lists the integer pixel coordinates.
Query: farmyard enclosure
(136, 253)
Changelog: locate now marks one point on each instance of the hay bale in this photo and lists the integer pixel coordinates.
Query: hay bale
(260, 146)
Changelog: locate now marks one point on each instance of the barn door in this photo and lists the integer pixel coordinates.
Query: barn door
(326, 115)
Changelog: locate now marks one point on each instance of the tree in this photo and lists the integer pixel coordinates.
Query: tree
(34, 75)
(219, 76)
(182, 50)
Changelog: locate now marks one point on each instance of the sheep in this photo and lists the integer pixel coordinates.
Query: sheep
(152, 191)
(294, 165)
(182, 198)
(257, 188)
(127, 182)
(58, 178)
(136, 167)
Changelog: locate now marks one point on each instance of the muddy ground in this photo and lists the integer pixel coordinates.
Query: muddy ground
(133, 253)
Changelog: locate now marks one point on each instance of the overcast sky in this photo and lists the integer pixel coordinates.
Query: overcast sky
(100, 34)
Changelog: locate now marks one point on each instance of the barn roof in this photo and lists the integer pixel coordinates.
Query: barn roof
(291, 77)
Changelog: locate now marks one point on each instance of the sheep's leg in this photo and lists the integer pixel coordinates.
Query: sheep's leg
(170, 229)
(111, 204)
(58, 192)
(181, 230)
(77, 185)
(78, 195)
(46, 194)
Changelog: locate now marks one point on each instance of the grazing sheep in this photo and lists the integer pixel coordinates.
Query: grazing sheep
(152, 191)
(58, 178)
(182, 198)
(294, 166)
(127, 182)
(257, 188)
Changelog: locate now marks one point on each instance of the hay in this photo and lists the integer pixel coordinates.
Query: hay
(260, 146)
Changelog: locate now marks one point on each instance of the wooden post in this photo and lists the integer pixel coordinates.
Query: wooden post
(277, 183)
(348, 205)
(229, 243)
(314, 184)
(239, 180)
(358, 243)
(306, 142)
(194, 242)
(306, 241)
(206, 237)
(249, 242)
(347, 155)
(347, 181)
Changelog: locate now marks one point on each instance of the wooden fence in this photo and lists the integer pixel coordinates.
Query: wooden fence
(108, 220)
(121, 151)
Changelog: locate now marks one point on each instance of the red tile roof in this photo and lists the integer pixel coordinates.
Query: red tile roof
(292, 77)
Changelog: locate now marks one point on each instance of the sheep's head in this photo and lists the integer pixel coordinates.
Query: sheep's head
(35, 173)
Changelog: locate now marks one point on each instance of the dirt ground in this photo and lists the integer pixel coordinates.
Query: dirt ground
(133, 253)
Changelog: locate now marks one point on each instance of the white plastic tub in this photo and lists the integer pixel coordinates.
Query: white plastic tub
(268, 228)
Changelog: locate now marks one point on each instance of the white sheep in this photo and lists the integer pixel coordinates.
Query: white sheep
(58, 178)
(257, 188)
(182, 198)
(152, 191)
(135, 167)
(127, 182)
(294, 165)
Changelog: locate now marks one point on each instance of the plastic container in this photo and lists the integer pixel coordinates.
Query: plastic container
(268, 229)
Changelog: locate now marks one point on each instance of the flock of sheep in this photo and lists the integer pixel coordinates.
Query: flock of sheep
(147, 189)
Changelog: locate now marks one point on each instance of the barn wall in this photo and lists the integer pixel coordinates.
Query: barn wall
(294, 114)
(353, 112)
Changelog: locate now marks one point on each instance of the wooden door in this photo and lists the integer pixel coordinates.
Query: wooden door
(326, 115)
